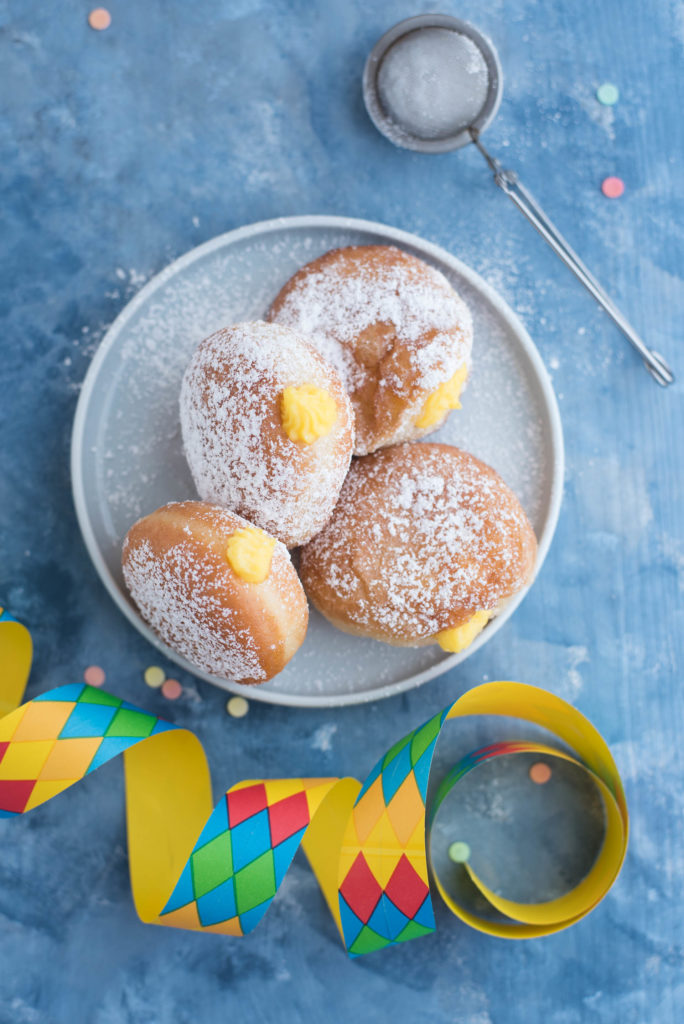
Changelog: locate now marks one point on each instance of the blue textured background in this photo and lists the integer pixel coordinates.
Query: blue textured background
(119, 151)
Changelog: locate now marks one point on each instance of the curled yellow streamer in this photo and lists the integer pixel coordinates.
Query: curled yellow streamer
(217, 869)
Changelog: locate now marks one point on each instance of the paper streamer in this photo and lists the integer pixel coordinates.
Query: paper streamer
(217, 870)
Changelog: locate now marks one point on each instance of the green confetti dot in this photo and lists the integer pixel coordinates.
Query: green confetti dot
(608, 94)
(459, 852)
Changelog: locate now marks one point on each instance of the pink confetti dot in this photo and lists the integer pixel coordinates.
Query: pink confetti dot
(612, 188)
(99, 19)
(171, 689)
(94, 675)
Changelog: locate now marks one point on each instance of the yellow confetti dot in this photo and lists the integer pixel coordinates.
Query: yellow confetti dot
(237, 707)
(154, 676)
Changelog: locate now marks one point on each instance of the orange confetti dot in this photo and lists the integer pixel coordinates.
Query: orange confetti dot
(94, 675)
(171, 689)
(99, 19)
(540, 773)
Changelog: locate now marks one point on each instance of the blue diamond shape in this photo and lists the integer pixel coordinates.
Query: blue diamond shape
(72, 691)
(183, 892)
(216, 824)
(110, 747)
(351, 924)
(283, 854)
(250, 919)
(395, 773)
(88, 720)
(250, 839)
(387, 920)
(217, 905)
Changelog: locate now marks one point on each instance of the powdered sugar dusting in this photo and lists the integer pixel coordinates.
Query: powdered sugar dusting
(173, 594)
(178, 591)
(233, 438)
(433, 83)
(133, 460)
(423, 536)
(385, 320)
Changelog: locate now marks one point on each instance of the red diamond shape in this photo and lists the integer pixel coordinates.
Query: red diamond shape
(3, 748)
(243, 803)
(288, 816)
(405, 888)
(361, 889)
(14, 793)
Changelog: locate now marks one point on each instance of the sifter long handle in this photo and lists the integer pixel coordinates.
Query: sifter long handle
(509, 182)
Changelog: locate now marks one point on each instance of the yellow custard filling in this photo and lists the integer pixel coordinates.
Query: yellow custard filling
(249, 553)
(460, 637)
(441, 401)
(307, 413)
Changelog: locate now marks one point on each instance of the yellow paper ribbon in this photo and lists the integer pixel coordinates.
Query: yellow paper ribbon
(217, 869)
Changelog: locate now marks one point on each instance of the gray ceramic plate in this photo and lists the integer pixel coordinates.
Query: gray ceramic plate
(126, 448)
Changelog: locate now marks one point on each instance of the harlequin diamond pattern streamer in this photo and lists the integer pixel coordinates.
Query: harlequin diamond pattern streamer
(60, 736)
(243, 853)
(218, 870)
(384, 895)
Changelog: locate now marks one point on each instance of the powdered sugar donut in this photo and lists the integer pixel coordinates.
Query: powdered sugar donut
(397, 331)
(267, 427)
(425, 544)
(220, 592)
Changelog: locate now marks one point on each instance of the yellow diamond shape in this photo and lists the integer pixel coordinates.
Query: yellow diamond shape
(316, 793)
(43, 791)
(183, 917)
(369, 809)
(406, 809)
(10, 723)
(230, 927)
(43, 720)
(70, 758)
(278, 789)
(382, 850)
(24, 760)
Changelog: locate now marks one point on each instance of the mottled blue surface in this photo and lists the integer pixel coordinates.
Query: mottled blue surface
(121, 150)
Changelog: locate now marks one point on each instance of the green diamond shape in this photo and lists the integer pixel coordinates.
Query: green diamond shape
(212, 864)
(393, 751)
(424, 736)
(255, 883)
(367, 941)
(92, 696)
(131, 723)
(413, 930)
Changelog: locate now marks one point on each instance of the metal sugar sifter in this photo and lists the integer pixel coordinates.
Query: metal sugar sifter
(433, 84)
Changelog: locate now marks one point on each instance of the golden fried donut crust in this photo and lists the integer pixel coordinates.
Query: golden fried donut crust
(236, 446)
(422, 537)
(393, 326)
(175, 567)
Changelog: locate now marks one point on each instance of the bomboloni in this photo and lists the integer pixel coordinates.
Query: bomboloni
(268, 429)
(216, 589)
(425, 545)
(397, 331)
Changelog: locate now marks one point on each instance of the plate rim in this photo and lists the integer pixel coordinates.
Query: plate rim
(265, 227)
